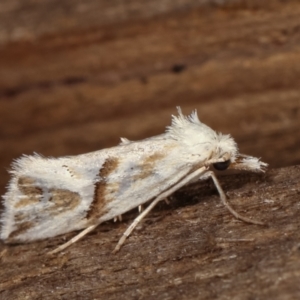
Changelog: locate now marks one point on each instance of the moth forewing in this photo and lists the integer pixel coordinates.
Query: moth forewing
(47, 197)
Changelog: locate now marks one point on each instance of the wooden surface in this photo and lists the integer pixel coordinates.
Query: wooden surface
(192, 249)
(75, 76)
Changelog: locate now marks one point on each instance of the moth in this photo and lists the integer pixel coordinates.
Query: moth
(47, 197)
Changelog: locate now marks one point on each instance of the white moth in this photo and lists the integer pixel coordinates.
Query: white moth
(47, 197)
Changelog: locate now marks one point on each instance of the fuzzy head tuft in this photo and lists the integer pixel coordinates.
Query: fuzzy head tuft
(198, 138)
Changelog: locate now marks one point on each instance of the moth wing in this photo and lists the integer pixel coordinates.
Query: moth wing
(51, 196)
(141, 173)
(46, 197)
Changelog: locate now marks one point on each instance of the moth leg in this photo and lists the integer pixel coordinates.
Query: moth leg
(225, 202)
(162, 196)
(141, 207)
(118, 218)
(167, 201)
(74, 239)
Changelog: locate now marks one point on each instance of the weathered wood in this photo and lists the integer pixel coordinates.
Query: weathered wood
(192, 249)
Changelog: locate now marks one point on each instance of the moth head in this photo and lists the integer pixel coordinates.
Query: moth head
(221, 166)
(225, 153)
(223, 163)
(201, 141)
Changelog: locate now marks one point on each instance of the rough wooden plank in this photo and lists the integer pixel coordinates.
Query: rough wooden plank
(187, 250)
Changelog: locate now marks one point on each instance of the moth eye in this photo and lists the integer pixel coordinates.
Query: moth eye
(221, 166)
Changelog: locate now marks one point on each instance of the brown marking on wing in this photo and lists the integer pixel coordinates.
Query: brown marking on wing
(102, 189)
(63, 200)
(31, 192)
(72, 172)
(20, 217)
(148, 165)
(69, 170)
(21, 228)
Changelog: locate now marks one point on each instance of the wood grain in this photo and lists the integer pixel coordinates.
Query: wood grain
(193, 248)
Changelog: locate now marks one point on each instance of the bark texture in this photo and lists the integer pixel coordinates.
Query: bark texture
(192, 249)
